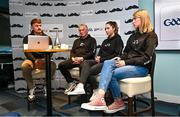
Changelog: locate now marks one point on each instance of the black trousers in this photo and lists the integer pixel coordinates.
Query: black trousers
(89, 70)
(64, 69)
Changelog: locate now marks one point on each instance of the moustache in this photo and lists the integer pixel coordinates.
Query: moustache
(99, 1)
(21, 89)
(132, 7)
(115, 10)
(128, 21)
(101, 12)
(45, 15)
(31, 4)
(73, 36)
(60, 4)
(16, 14)
(87, 2)
(19, 78)
(73, 26)
(60, 15)
(73, 14)
(17, 36)
(18, 58)
(60, 58)
(46, 4)
(16, 25)
(129, 32)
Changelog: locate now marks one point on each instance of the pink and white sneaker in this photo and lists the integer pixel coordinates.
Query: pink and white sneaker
(115, 107)
(96, 104)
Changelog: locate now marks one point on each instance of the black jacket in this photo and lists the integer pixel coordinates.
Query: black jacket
(111, 47)
(140, 48)
(85, 48)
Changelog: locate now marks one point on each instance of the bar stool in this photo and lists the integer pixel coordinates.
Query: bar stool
(140, 85)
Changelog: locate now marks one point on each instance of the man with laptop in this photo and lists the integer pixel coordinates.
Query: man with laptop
(35, 60)
(83, 48)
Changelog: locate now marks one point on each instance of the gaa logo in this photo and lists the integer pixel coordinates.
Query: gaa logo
(172, 22)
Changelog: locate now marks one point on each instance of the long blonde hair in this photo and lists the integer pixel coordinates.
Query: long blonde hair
(146, 25)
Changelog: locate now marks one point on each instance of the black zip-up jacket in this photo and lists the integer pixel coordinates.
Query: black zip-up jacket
(85, 48)
(111, 47)
(140, 48)
(34, 55)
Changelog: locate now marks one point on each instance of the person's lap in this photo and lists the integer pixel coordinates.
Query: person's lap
(130, 71)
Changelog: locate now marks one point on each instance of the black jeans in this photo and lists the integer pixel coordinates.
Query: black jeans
(89, 69)
(64, 69)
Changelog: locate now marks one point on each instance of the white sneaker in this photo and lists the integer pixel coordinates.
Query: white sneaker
(95, 91)
(45, 92)
(70, 87)
(79, 89)
(31, 95)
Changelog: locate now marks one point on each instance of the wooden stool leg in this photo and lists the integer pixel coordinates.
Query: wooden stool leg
(152, 103)
(130, 106)
(134, 100)
(28, 102)
(69, 99)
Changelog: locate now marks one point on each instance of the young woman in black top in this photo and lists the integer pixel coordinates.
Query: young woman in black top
(110, 48)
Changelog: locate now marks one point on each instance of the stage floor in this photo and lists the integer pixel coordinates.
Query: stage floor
(10, 101)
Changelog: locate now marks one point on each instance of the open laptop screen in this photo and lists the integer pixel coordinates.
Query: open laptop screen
(38, 42)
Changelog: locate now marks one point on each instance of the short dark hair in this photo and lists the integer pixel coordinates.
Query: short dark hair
(35, 20)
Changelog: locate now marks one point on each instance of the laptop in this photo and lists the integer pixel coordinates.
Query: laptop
(38, 42)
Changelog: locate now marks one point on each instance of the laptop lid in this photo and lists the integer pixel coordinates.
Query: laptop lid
(38, 42)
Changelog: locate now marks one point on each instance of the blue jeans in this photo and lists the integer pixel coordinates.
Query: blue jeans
(110, 76)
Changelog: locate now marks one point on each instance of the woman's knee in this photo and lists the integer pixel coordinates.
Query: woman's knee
(109, 62)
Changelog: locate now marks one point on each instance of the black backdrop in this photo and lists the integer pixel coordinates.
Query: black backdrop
(4, 23)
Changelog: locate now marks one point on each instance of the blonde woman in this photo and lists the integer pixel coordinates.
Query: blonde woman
(133, 63)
